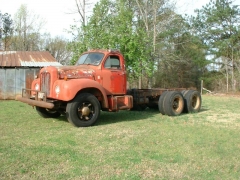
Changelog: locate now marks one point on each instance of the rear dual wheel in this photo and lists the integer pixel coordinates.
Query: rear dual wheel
(192, 101)
(171, 103)
(161, 107)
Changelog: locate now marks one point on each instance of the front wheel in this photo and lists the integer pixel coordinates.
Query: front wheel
(83, 111)
(47, 113)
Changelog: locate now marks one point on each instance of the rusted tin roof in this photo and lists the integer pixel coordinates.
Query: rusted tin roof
(27, 59)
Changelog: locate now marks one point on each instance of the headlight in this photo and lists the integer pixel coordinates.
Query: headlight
(37, 87)
(57, 89)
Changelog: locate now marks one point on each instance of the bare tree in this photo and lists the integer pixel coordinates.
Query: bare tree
(81, 9)
(58, 48)
(27, 30)
(154, 14)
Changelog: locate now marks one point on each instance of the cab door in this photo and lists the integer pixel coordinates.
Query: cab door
(114, 75)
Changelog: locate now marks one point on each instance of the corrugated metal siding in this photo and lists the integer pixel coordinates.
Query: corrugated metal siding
(10, 84)
(2, 83)
(13, 80)
(27, 58)
(20, 80)
(13, 75)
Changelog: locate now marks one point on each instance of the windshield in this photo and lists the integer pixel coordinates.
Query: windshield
(90, 58)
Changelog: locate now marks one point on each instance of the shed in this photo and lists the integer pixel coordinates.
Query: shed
(18, 69)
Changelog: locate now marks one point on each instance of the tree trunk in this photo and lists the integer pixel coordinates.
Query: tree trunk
(226, 73)
(233, 84)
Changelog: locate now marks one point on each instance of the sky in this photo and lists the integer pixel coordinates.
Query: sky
(59, 14)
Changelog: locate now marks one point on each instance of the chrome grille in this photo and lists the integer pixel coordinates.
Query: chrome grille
(45, 82)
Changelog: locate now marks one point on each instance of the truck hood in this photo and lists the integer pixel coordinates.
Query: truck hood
(76, 72)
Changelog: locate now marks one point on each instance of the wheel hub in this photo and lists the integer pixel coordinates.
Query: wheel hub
(194, 101)
(177, 104)
(86, 111)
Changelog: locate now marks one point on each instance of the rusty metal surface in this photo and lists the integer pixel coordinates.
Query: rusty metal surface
(149, 96)
(155, 92)
(35, 102)
(117, 103)
(27, 59)
(13, 80)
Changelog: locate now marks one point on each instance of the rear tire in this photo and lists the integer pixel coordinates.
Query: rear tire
(161, 102)
(173, 103)
(47, 113)
(184, 92)
(83, 111)
(193, 101)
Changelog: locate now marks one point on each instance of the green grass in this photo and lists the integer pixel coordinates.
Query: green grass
(123, 145)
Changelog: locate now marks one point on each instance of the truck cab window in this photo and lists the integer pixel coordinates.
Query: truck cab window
(91, 59)
(112, 62)
(81, 59)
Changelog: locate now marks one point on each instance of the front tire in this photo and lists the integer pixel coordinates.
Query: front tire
(83, 111)
(47, 113)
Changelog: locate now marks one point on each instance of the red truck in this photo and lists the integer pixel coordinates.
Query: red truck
(98, 81)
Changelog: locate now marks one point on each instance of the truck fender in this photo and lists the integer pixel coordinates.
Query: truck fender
(70, 88)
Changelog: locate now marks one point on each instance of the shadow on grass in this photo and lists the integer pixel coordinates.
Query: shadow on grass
(116, 117)
(106, 118)
(63, 118)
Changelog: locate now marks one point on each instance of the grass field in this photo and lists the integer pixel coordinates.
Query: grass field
(123, 145)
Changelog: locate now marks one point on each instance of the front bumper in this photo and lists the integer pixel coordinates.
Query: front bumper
(40, 102)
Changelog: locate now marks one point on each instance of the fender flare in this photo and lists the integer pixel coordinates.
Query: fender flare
(70, 88)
